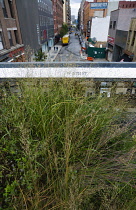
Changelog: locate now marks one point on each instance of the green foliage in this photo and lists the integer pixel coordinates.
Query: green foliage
(40, 56)
(63, 30)
(60, 150)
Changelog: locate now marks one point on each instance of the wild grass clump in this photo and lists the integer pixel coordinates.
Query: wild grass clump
(60, 150)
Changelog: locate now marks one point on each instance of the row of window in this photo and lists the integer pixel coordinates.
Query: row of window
(113, 24)
(59, 8)
(131, 34)
(127, 6)
(44, 20)
(4, 8)
(44, 7)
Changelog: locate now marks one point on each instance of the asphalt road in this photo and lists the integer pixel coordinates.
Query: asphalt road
(70, 52)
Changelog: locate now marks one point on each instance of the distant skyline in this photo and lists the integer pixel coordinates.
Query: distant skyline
(75, 5)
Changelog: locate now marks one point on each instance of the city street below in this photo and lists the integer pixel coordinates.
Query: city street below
(70, 52)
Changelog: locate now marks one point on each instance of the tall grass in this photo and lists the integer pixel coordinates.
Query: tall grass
(61, 150)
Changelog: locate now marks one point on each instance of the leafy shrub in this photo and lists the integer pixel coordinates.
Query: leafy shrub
(40, 56)
(64, 30)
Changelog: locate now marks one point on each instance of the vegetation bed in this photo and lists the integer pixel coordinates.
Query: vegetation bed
(61, 150)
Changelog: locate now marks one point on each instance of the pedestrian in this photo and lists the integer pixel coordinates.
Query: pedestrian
(57, 48)
(54, 48)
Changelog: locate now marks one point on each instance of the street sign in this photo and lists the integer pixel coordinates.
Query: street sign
(99, 5)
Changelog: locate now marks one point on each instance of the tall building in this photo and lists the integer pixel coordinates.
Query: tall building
(58, 15)
(11, 47)
(86, 19)
(81, 14)
(67, 12)
(36, 23)
(72, 18)
(46, 24)
(79, 19)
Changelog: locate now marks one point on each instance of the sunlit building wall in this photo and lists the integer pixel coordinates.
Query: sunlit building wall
(131, 40)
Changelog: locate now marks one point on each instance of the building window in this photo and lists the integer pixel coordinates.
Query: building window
(129, 36)
(133, 39)
(10, 6)
(16, 36)
(41, 35)
(10, 38)
(114, 24)
(110, 24)
(1, 43)
(4, 8)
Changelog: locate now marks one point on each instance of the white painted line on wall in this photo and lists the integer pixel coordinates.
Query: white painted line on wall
(68, 72)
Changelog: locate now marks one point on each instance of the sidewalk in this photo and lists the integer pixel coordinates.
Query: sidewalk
(52, 54)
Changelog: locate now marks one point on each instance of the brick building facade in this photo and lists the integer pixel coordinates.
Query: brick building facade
(11, 47)
(58, 15)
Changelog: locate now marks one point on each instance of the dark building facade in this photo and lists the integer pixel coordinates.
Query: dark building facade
(36, 23)
(11, 47)
(79, 19)
(28, 19)
(46, 24)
